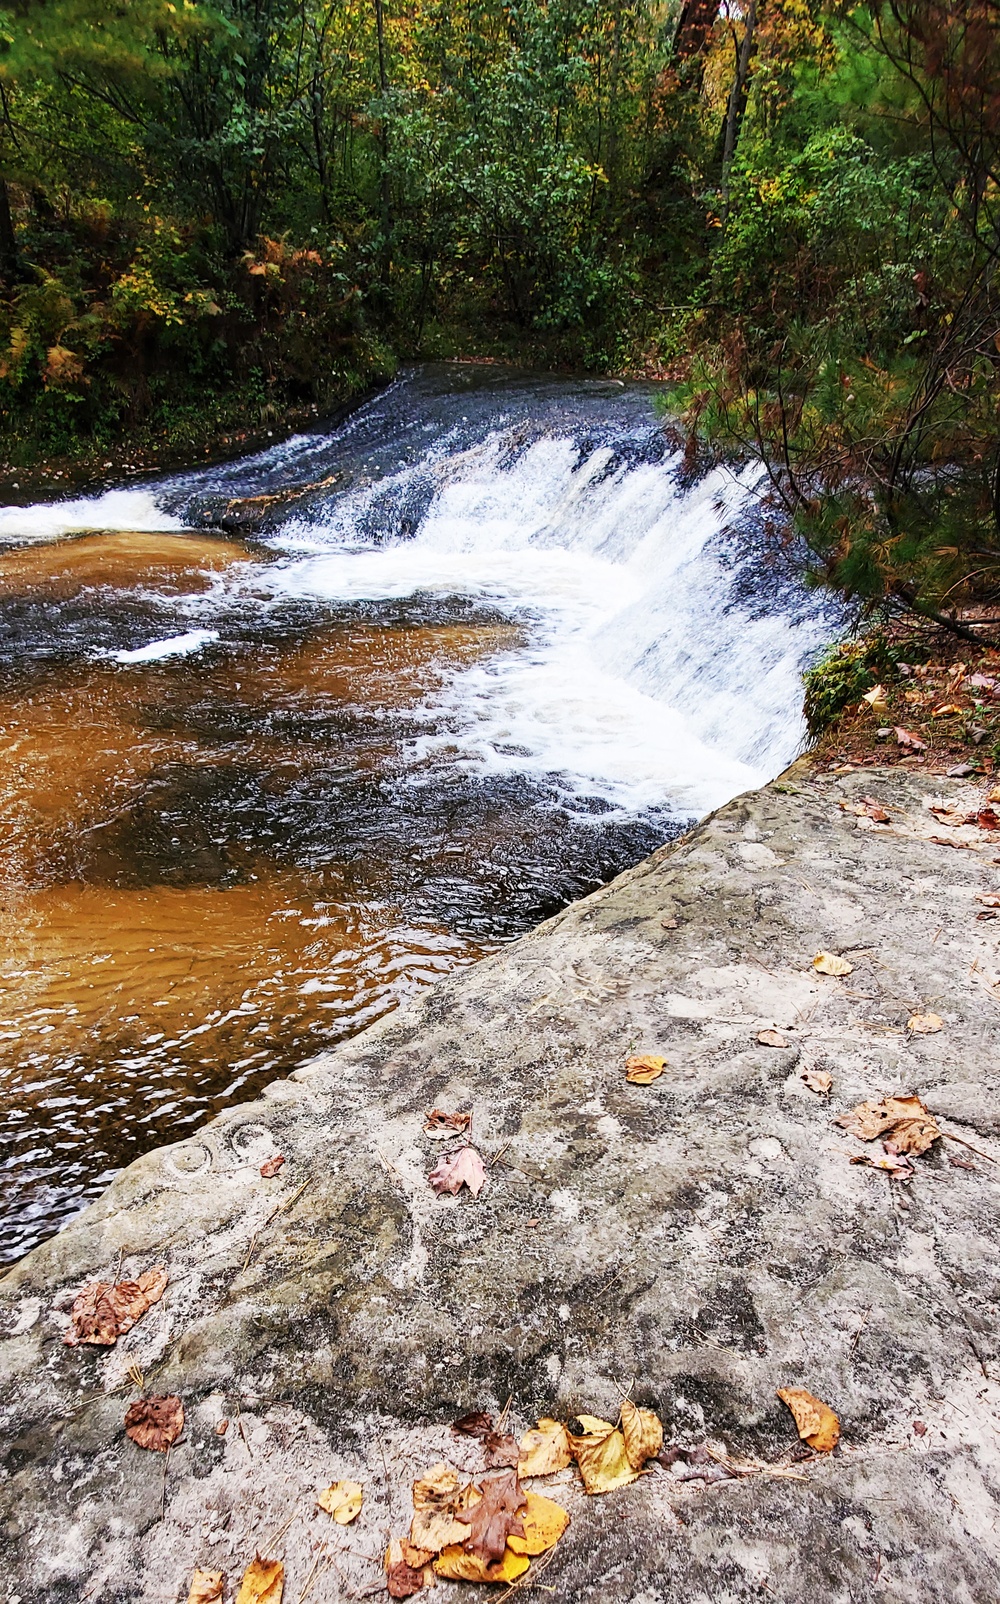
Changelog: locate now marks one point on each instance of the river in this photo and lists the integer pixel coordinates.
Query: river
(286, 740)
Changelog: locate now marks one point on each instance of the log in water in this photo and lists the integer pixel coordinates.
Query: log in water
(287, 739)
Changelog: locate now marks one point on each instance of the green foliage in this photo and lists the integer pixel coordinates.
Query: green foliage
(842, 676)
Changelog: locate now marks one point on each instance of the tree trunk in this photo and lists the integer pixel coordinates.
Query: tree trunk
(10, 266)
(737, 102)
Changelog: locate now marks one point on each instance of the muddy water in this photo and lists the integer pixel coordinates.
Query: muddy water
(283, 742)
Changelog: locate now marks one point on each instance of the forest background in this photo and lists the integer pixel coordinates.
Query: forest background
(216, 217)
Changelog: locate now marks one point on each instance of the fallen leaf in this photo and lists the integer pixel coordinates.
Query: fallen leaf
(437, 1497)
(990, 899)
(600, 1452)
(544, 1522)
(263, 1582)
(644, 1068)
(920, 1428)
(961, 771)
(416, 1558)
(402, 1579)
(876, 699)
(945, 710)
(476, 1424)
(694, 1464)
(924, 1024)
(102, 1312)
(272, 1166)
(942, 841)
(501, 1448)
(343, 1501)
(206, 1587)
(670, 924)
(642, 1432)
(455, 1170)
(456, 1565)
(494, 1517)
(544, 1450)
(771, 1038)
(909, 741)
(221, 1427)
(900, 1169)
(831, 963)
(155, 1423)
(904, 1120)
(817, 1424)
(817, 1080)
(875, 810)
(439, 1124)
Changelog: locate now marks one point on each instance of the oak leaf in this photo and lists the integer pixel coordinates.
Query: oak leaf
(988, 819)
(544, 1522)
(155, 1423)
(817, 1080)
(342, 1500)
(206, 1587)
(642, 1432)
(501, 1448)
(272, 1166)
(494, 1517)
(455, 1564)
(455, 1170)
(924, 1024)
(600, 1452)
(437, 1497)
(544, 1450)
(909, 741)
(438, 1124)
(771, 1038)
(263, 1582)
(402, 1579)
(644, 1068)
(831, 963)
(904, 1121)
(817, 1424)
(103, 1311)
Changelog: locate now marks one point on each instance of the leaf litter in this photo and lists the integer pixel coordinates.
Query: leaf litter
(103, 1311)
(263, 1582)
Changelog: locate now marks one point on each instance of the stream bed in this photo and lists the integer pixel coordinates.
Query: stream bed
(284, 741)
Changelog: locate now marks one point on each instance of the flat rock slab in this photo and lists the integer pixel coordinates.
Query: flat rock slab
(702, 1241)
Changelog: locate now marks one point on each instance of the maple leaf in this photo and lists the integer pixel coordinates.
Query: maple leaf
(438, 1124)
(272, 1166)
(816, 1422)
(206, 1587)
(494, 1517)
(103, 1311)
(263, 1582)
(155, 1423)
(904, 1120)
(343, 1501)
(544, 1450)
(455, 1170)
(909, 741)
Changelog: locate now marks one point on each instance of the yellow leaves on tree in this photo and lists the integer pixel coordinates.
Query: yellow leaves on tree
(263, 1582)
(62, 368)
(817, 1424)
(342, 1500)
(103, 1311)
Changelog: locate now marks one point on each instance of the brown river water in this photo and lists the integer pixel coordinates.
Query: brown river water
(397, 738)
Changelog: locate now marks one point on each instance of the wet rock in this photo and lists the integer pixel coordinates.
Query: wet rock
(706, 1235)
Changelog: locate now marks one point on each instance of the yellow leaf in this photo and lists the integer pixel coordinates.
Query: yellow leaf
(544, 1450)
(436, 1498)
(924, 1024)
(263, 1582)
(544, 1522)
(343, 1501)
(206, 1587)
(817, 1080)
(771, 1038)
(458, 1566)
(831, 963)
(643, 1068)
(602, 1456)
(642, 1432)
(817, 1424)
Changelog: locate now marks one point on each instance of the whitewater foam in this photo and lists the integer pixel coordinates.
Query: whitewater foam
(114, 509)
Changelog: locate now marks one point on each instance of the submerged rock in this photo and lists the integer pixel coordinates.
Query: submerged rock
(701, 1241)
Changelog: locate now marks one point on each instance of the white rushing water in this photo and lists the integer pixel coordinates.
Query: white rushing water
(661, 663)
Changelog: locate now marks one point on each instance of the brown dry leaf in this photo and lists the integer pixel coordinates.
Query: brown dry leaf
(904, 1121)
(342, 1500)
(456, 1565)
(601, 1454)
(494, 1517)
(544, 1450)
(831, 963)
(437, 1497)
(221, 1427)
(438, 1124)
(544, 1523)
(644, 1068)
(771, 1038)
(875, 810)
(988, 819)
(877, 699)
(817, 1424)
(103, 1312)
(418, 1558)
(924, 1024)
(945, 710)
(817, 1080)
(642, 1432)
(155, 1423)
(402, 1579)
(272, 1166)
(206, 1587)
(989, 899)
(900, 1169)
(455, 1170)
(501, 1448)
(263, 1582)
(909, 741)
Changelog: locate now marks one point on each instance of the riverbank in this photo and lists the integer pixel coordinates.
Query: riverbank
(697, 1242)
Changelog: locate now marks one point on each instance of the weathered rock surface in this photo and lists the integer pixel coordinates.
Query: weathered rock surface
(705, 1235)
